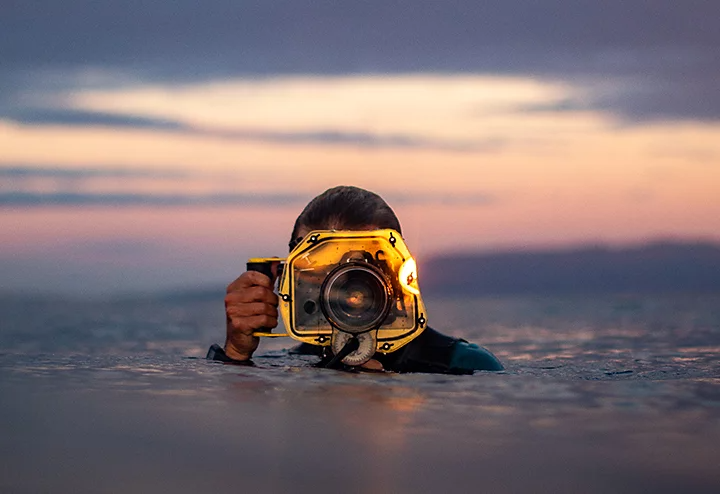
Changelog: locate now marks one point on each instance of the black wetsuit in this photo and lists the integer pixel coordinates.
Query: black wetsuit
(431, 352)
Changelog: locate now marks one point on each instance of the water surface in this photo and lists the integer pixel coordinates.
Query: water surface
(600, 394)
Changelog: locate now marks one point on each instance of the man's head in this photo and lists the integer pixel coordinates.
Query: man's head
(344, 208)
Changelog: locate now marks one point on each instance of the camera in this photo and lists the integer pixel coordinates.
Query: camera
(356, 291)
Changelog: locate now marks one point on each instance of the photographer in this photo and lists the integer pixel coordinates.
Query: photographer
(251, 304)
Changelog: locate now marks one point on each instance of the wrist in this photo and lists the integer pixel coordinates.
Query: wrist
(236, 354)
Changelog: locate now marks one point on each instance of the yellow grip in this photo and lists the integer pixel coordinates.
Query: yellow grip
(267, 334)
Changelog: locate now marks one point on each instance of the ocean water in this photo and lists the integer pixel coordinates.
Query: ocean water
(611, 393)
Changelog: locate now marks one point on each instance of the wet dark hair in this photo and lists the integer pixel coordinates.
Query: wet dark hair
(345, 208)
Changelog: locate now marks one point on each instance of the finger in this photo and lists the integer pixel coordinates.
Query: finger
(246, 325)
(263, 321)
(252, 309)
(251, 294)
(274, 267)
(248, 279)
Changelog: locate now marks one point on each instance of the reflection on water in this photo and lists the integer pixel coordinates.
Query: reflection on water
(604, 395)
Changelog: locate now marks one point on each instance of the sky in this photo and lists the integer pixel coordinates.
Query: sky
(155, 145)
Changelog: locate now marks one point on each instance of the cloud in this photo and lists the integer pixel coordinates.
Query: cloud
(664, 55)
(32, 199)
(30, 186)
(443, 199)
(25, 199)
(666, 99)
(51, 116)
(359, 139)
(28, 172)
(71, 117)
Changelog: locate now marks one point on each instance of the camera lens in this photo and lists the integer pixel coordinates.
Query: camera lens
(355, 297)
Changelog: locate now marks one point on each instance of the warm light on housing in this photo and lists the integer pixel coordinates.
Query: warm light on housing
(408, 276)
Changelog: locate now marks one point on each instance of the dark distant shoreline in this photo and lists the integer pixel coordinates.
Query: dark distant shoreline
(653, 268)
(659, 267)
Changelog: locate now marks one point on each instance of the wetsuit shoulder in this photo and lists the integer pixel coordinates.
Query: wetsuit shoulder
(471, 357)
(434, 352)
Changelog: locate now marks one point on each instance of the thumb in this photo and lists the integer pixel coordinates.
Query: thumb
(275, 270)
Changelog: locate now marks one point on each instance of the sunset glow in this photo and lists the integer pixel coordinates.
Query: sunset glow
(469, 162)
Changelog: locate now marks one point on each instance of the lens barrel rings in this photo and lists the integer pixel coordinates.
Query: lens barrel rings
(356, 297)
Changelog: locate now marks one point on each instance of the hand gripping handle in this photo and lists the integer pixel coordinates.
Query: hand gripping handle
(261, 266)
(264, 266)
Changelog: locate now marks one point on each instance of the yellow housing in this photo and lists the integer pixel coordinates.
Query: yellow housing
(320, 254)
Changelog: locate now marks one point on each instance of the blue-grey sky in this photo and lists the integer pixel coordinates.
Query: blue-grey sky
(665, 53)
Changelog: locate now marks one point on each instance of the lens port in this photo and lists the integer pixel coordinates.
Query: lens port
(356, 297)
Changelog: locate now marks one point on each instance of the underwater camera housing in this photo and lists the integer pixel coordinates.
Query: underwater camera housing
(354, 290)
